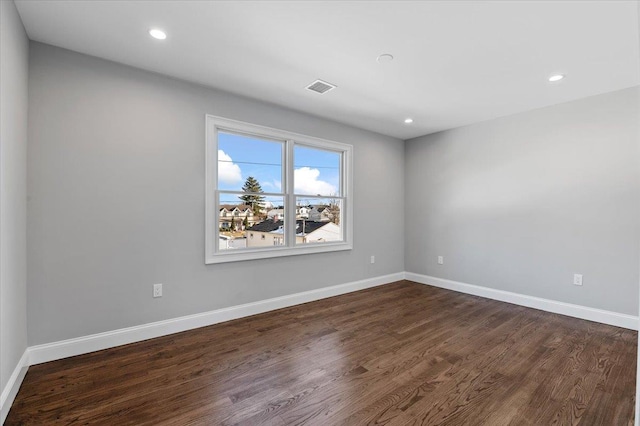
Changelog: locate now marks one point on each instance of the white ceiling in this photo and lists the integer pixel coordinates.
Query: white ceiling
(456, 62)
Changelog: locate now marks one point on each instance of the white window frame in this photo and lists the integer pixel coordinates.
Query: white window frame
(213, 254)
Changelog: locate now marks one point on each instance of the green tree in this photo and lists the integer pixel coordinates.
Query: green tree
(245, 222)
(252, 188)
(233, 225)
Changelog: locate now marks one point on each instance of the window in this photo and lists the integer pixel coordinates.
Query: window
(293, 188)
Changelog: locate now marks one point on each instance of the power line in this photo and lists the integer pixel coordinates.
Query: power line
(273, 164)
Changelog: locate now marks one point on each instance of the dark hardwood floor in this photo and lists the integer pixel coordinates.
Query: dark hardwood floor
(399, 354)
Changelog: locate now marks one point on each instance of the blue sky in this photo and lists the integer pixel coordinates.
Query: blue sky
(315, 171)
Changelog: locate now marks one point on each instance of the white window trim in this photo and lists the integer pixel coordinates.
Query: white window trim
(212, 252)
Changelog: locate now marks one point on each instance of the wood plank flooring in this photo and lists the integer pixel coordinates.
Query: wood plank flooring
(399, 354)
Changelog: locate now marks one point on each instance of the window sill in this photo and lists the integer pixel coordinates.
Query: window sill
(268, 253)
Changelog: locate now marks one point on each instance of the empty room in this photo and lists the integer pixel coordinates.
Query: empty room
(319, 212)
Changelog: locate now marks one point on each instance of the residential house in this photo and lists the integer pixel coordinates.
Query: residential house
(321, 213)
(237, 214)
(318, 213)
(276, 214)
(271, 233)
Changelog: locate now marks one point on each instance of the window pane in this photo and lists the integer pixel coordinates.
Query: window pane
(243, 227)
(318, 220)
(316, 171)
(270, 230)
(243, 159)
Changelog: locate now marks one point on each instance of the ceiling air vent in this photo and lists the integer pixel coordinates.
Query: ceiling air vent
(320, 86)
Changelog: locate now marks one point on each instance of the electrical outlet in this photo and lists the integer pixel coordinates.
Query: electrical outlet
(440, 260)
(373, 259)
(157, 290)
(577, 279)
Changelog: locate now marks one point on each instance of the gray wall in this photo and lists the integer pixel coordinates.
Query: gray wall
(14, 55)
(522, 203)
(116, 200)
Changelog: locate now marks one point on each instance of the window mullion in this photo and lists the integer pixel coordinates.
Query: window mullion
(290, 207)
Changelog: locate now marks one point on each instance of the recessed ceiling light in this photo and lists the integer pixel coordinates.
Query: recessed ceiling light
(408, 120)
(556, 77)
(385, 57)
(157, 34)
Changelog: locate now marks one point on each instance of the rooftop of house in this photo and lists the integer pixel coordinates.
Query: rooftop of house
(319, 207)
(231, 207)
(272, 226)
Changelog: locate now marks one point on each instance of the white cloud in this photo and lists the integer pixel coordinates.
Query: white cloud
(275, 185)
(306, 180)
(228, 172)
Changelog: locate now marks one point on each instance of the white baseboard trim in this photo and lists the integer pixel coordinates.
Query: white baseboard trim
(577, 311)
(95, 342)
(13, 385)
